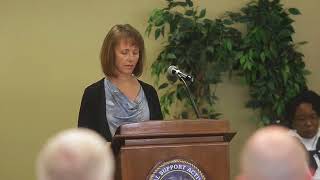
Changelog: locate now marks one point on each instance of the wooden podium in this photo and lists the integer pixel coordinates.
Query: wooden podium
(144, 149)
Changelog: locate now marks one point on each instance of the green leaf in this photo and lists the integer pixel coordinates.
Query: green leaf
(190, 3)
(284, 76)
(174, 4)
(204, 111)
(186, 24)
(306, 72)
(210, 49)
(207, 21)
(159, 21)
(243, 81)
(148, 30)
(162, 31)
(228, 44)
(164, 85)
(262, 56)
(157, 33)
(286, 69)
(214, 115)
(265, 119)
(294, 11)
(271, 85)
(279, 110)
(273, 50)
(302, 43)
(243, 59)
(238, 55)
(180, 92)
(189, 12)
(249, 67)
(184, 115)
(284, 33)
(202, 13)
(227, 22)
(171, 56)
(297, 87)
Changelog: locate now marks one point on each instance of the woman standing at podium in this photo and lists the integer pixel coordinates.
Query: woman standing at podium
(119, 98)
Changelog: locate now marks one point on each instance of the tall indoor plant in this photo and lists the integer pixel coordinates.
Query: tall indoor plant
(200, 46)
(268, 60)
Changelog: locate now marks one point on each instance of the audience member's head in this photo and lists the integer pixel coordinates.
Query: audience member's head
(303, 113)
(272, 154)
(76, 154)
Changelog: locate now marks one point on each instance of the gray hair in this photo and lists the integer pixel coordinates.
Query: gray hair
(75, 154)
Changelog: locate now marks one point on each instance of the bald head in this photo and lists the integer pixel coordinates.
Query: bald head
(272, 154)
(76, 154)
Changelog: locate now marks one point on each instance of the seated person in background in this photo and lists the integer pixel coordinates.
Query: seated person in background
(76, 154)
(119, 98)
(303, 115)
(272, 154)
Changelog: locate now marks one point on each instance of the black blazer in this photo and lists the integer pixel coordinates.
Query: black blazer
(92, 113)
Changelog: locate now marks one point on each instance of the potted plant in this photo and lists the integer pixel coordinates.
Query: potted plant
(200, 46)
(268, 59)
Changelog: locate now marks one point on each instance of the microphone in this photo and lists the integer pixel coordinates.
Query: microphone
(174, 71)
(171, 78)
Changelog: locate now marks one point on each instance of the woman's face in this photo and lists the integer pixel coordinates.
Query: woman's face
(306, 121)
(126, 57)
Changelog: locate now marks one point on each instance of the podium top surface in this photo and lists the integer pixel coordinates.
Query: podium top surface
(174, 128)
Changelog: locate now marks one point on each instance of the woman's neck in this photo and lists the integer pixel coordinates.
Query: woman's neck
(122, 78)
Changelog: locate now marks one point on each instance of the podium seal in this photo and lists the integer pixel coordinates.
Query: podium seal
(176, 169)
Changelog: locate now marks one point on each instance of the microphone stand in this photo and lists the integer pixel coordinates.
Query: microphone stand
(196, 110)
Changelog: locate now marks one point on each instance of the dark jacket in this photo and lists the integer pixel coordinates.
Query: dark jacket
(92, 113)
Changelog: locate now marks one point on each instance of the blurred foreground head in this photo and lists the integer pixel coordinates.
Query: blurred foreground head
(76, 154)
(272, 154)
